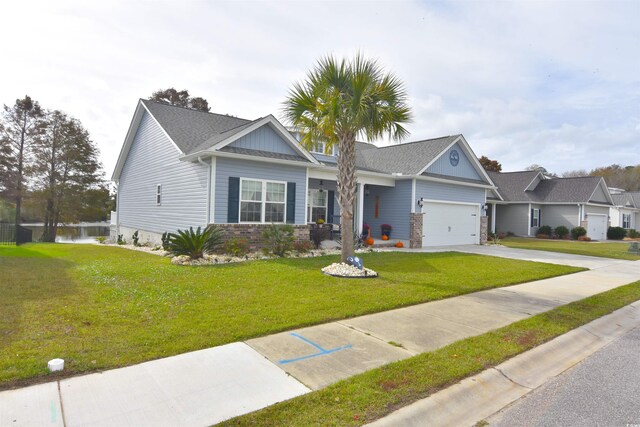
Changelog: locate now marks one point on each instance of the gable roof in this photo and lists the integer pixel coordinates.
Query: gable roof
(515, 187)
(629, 199)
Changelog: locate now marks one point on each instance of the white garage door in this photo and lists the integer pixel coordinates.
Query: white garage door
(450, 224)
(597, 227)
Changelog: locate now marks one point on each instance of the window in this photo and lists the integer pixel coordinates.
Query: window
(262, 201)
(535, 217)
(158, 194)
(626, 221)
(317, 207)
(321, 147)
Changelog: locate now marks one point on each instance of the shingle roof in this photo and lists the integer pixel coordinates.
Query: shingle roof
(635, 195)
(261, 153)
(623, 199)
(190, 129)
(512, 186)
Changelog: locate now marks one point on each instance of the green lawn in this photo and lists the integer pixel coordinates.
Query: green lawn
(604, 250)
(101, 307)
(366, 397)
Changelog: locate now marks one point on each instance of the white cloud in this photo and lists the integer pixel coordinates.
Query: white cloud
(554, 83)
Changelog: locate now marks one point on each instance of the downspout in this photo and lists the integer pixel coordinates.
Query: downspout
(208, 188)
(117, 182)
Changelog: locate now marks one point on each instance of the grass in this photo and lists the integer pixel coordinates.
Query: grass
(376, 393)
(597, 249)
(102, 307)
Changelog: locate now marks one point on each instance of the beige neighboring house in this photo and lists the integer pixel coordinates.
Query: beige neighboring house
(526, 200)
(625, 212)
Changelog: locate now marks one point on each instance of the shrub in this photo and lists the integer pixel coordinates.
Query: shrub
(561, 231)
(616, 233)
(584, 239)
(135, 238)
(278, 239)
(633, 234)
(545, 229)
(303, 246)
(542, 236)
(577, 232)
(101, 239)
(165, 241)
(120, 240)
(237, 247)
(195, 243)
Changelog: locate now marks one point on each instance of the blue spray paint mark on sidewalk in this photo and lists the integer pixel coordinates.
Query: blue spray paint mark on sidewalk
(322, 351)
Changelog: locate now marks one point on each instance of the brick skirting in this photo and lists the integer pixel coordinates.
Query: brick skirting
(253, 233)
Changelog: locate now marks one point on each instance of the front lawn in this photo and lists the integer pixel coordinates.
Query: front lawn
(102, 307)
(598, 249)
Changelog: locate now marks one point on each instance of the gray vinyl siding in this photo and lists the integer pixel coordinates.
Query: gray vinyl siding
(394, 209)
(264, 139)
(226, 167)
(557, 215)
(602, 210)
(464, 169)
(153, 160)
(599, 196)
(448, 193)
(513, 218)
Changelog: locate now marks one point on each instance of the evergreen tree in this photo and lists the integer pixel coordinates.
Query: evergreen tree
(181, 99)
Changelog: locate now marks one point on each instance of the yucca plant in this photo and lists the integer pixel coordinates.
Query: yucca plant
(195, 243)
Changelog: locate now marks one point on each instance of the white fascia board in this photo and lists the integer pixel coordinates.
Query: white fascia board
(534, 178)
(604, 187)
(277, 127)
(128, 140)
(375, 178)
(205, 154)
(453, 182)
(470, 155)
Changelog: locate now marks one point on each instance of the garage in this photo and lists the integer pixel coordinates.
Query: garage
(597, 226)
(450, 224)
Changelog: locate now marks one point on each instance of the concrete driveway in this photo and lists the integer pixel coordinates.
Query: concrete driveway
(584, 261)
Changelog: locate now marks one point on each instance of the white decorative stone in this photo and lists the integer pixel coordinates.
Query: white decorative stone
(345, 270)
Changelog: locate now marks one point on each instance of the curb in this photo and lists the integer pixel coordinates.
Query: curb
(477, 397)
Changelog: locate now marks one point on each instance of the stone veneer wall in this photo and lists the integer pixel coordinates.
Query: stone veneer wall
(253, 233)
(484, 229)
(415, 230)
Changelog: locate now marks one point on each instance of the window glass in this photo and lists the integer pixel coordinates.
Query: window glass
(275, 192)
(251, 190)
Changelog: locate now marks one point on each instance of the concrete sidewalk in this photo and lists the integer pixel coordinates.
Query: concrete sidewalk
(208, 386)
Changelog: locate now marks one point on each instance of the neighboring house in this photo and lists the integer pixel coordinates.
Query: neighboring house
(529, 199)
(180, 167)
(626, 210)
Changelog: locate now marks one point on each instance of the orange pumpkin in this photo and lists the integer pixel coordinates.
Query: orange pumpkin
(385, 237)
(370, 241)
(399, 245)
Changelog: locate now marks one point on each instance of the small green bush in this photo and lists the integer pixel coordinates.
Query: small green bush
(616, 233)
(633, 233)
(101, 239)
(303, 246)
(278, 239)
(121, 240)
(195, 243)
(235, 246)
(561, 231)
(577, 232)
(135, 238)
(545, 229)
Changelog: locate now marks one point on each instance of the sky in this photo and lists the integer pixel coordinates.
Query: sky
(553, 83)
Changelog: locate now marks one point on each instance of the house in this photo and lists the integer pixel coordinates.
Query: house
(180, 167)
(526, 200)
(625, 211)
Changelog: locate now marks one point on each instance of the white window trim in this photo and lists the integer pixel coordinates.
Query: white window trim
(628, 217)
(158, 194)
(310, 204)
(263, 202)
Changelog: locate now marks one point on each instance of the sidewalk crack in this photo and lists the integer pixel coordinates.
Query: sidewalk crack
(512, 381)
(64, 421)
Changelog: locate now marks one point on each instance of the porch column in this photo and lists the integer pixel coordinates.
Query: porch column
(360, 209)
(493, 217)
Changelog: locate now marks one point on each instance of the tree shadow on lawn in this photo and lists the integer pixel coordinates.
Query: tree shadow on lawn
(32, 285)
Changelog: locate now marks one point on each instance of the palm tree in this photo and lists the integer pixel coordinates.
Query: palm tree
(339, 102)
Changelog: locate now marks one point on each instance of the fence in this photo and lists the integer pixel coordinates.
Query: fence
(14, 235)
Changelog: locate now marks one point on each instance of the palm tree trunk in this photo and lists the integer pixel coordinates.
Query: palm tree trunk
(346, 191)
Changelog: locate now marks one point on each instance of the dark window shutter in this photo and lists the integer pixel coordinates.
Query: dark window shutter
(330, 196)
(291, 202)
(531, 225)
(539, 217)
(233, 207)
